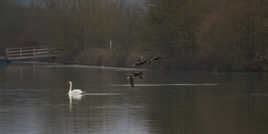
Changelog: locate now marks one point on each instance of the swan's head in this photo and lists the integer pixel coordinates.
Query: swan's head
(70, 85)
(70, 82)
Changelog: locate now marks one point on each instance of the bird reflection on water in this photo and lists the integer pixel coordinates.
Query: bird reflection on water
(71, 98)
(79, 97)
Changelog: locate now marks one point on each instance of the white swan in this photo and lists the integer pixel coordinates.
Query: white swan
(75, 93)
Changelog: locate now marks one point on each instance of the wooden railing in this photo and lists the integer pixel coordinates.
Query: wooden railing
(28, 53)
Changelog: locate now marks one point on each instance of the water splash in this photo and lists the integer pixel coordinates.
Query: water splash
(162, 85)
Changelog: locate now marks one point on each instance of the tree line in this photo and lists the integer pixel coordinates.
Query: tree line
(215, 35)
(190, 34)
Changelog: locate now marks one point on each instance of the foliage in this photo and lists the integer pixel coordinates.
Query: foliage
(207, 33)
(190, 34)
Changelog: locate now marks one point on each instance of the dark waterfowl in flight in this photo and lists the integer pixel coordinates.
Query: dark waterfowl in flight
(138, 74)
(132, 76)
(131, 80)
(156, 58)
(139, 58)
(140, 61)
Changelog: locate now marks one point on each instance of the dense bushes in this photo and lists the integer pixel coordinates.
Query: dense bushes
(223, 35)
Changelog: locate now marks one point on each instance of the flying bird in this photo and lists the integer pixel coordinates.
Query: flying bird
(156, 58)
(138, 74)
(131, 80)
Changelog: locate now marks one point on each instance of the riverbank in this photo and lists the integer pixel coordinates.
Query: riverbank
(166, 64)
(117, 57)
(163, 65)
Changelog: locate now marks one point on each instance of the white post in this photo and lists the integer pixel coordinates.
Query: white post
(111, 44)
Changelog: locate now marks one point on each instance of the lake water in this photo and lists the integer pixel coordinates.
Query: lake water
(33, 100)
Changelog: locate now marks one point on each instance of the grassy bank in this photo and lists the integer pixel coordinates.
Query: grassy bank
(126, 58)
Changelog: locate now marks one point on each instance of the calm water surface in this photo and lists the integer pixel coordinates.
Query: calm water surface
(33, 100)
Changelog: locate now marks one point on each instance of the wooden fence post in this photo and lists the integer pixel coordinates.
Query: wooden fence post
(6, 54)
(20, 51)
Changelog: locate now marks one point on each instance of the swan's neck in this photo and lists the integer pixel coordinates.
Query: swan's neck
(70, 88)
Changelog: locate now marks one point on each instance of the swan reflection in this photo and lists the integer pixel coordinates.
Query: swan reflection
(71, 98)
